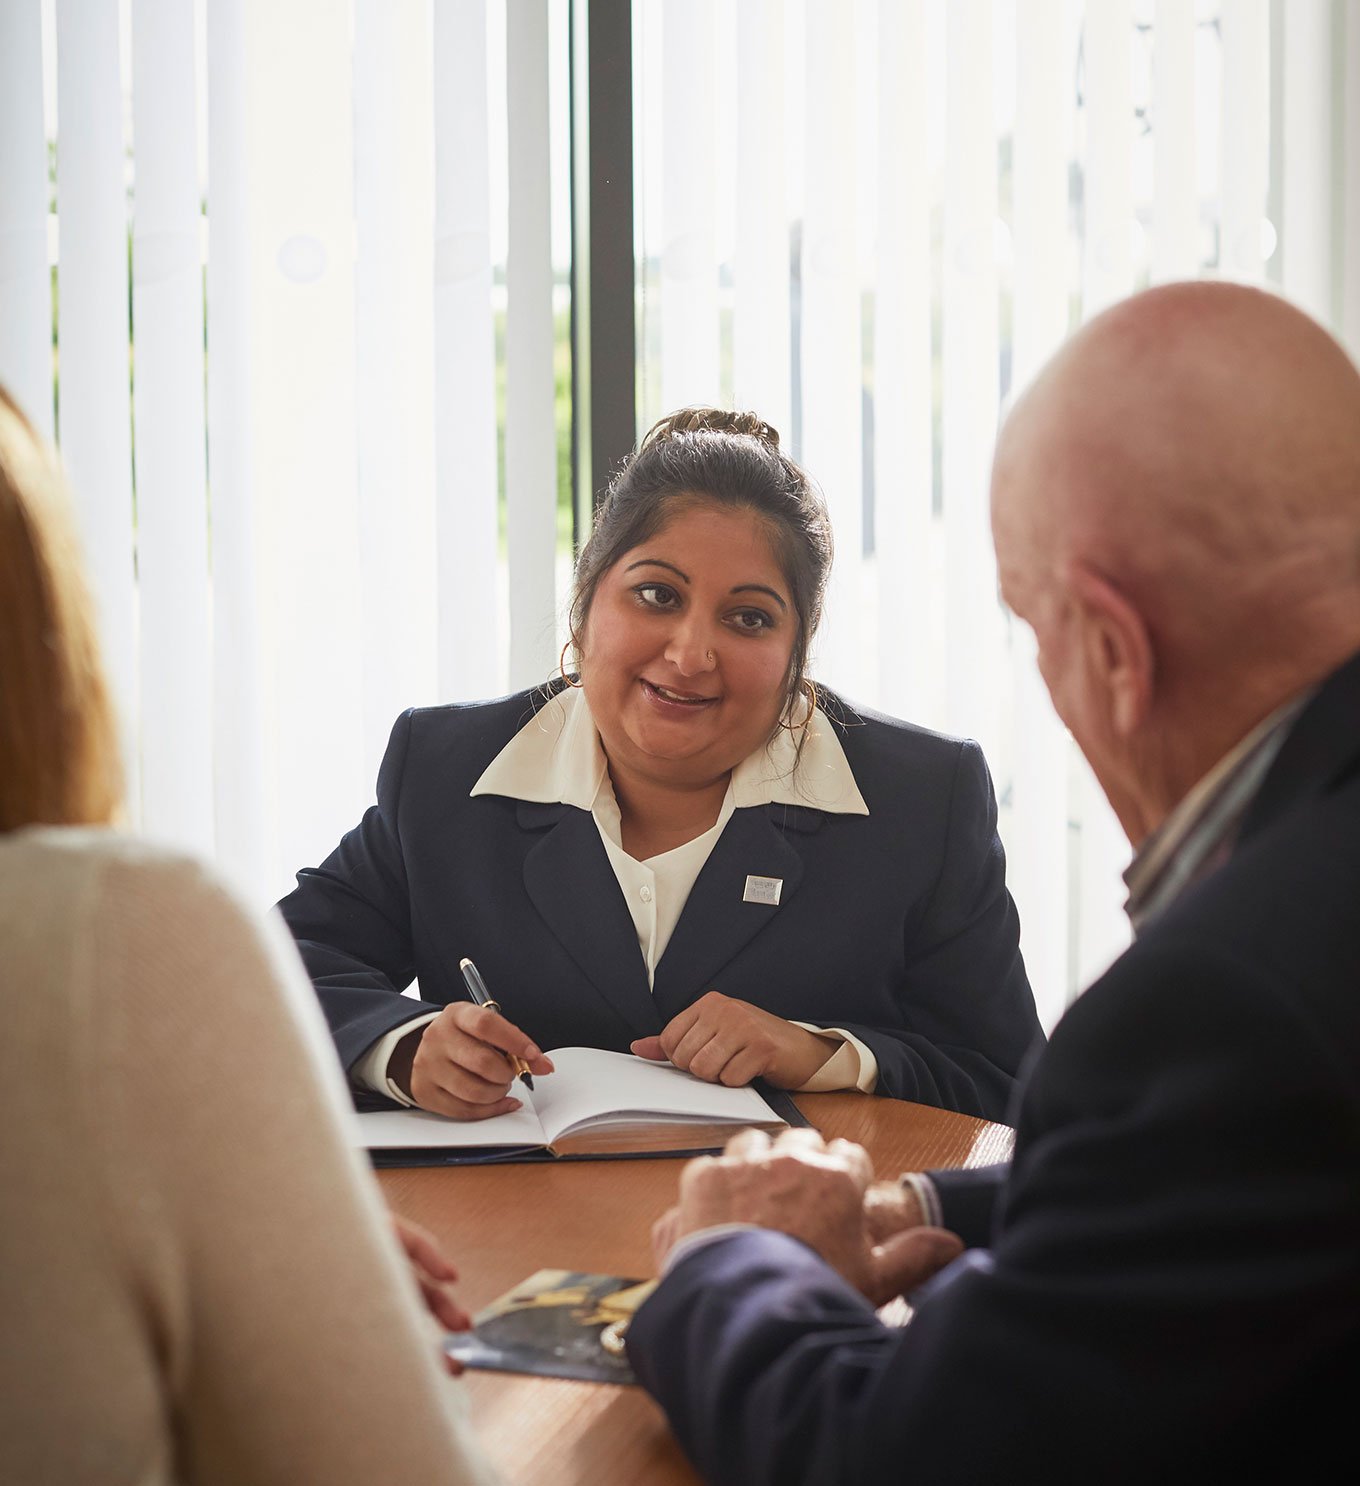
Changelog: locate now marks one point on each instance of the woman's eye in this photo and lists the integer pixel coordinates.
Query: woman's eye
(657, 595)
(752, 619)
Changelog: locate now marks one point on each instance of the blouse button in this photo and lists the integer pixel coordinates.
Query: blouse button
(646, 893)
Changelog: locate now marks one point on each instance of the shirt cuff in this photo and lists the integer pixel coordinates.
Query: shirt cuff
(700, 1239)
(927, 1194)
(370, 1072)
(851, 1066)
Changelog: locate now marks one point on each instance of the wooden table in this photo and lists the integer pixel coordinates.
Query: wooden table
(500, 1223)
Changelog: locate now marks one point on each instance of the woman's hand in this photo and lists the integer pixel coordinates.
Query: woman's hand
(725, 1041)
(459, 1064)
(433, 1273)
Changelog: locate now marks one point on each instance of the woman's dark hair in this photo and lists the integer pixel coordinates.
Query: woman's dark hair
(701, 455)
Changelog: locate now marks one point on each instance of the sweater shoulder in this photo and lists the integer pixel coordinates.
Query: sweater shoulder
(70, 874)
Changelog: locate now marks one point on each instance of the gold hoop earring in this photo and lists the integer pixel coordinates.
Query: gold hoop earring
(562, 666)
(806, 694)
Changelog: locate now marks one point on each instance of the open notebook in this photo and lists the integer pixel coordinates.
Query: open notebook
(597, 1103)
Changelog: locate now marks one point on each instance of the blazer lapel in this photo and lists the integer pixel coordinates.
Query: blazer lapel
(717, 922)
(570, 882)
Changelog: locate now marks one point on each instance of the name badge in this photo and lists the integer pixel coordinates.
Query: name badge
(763, 890)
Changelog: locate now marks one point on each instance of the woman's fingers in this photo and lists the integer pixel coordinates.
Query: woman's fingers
(442, 1099)
(462, 1067)
(724, 1040)
(422, 1249)
(492, 1029)
(443, 1307)
(433, 1272)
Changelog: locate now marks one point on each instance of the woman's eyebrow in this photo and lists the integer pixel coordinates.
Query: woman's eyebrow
(656, 562)
(759, 588)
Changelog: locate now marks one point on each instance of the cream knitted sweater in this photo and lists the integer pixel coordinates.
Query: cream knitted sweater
(197, 1280)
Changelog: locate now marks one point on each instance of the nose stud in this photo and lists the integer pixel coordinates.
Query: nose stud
(710, 657)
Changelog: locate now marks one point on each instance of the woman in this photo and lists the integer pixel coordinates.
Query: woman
(197, 1279)
(680, 851)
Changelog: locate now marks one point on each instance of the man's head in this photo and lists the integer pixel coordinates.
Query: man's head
(1176, 509)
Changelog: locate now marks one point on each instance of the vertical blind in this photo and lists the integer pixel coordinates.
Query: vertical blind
(939, 193)
(279, 275)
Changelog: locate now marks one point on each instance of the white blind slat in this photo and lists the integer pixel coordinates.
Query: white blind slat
(1042, 255)
(1245, 138)
(761, 369)
(1037, 833)
(1175, 225)
(530, 441)
(689, 265)
(831, 351)
(1107, 256)
(969, 356)
(1107, 276)
(903, 392)
(25, 282)
(94, 412)
(1349, 174)
(465, 359)
(299, 163)
(172, 535)
(245, 789)
(394, 306)
(1306, 235)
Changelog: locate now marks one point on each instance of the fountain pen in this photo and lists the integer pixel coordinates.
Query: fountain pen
(479, 993)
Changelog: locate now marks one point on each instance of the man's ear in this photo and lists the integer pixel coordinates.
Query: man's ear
(1117, 649)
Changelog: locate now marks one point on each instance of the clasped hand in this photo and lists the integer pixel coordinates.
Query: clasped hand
(821, 1195)
(725, 1041)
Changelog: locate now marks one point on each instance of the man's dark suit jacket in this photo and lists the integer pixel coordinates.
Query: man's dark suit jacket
(896, 926)
(1173, 1286)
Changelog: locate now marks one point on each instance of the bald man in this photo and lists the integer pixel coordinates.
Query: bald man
(1165, 1284)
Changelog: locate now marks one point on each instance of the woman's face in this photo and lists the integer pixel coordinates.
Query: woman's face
(685, 655)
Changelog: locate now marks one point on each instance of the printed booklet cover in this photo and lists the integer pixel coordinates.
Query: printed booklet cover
(559, 1323)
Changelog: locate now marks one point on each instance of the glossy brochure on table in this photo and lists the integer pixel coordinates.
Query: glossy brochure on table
(559, 1323)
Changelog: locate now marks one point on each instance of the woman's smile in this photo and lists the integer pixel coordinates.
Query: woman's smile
(671, 699)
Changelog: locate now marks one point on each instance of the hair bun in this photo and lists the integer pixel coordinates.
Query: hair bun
(710, 420)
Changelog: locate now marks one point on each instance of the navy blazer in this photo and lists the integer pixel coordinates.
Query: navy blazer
(1173, 1286)
(896, 925)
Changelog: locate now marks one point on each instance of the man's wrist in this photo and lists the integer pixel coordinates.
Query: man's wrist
(699, 1238)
